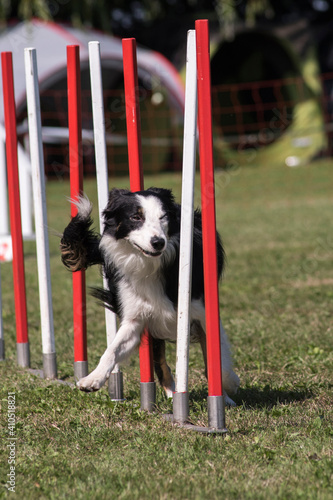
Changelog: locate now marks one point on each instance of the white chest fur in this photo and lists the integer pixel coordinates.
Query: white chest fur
(145, 299)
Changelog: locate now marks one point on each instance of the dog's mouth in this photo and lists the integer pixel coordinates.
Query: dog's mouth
(146, 252)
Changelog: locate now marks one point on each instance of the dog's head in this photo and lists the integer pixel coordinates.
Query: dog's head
(145, 219)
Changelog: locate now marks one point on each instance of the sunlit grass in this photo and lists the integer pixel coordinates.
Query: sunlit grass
(276, 305)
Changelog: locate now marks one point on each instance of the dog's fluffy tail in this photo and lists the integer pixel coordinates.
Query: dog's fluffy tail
(79, 244)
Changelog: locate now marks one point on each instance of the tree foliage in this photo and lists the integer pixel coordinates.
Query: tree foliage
(100, 13)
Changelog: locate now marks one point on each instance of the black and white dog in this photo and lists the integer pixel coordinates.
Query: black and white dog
(139, 254)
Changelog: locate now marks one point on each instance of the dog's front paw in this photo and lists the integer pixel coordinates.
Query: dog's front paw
(91, 383)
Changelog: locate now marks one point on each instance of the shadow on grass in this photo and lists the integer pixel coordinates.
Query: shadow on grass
(267, 397)
(257, 397)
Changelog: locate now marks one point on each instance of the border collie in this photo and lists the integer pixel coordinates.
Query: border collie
(139, 255)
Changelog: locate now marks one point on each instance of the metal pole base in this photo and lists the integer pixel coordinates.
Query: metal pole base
(80, 369)
(148, 395)
(23, 354)
(216, 412)
(180, 407)
(115, 386)
(2, 350)
(50, 365)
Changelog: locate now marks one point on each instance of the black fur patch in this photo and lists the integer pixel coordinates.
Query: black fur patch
(109, 298)
(171, 270)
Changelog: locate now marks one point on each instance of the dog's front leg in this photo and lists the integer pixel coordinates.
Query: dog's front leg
(127, 338)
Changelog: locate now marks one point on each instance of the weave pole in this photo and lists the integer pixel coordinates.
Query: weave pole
(116, 377)
(181, 397)
(148, 387)
(216, 410)
(22, 341)
(42, 241)
(76, 189)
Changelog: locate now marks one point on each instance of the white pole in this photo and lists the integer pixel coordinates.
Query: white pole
(180, 401)
(115, 381)
(42, 243)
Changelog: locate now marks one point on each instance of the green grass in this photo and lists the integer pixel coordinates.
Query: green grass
(276, 305)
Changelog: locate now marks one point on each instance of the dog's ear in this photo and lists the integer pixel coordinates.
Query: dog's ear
(116, 193)
(115, 202)
(165, 194)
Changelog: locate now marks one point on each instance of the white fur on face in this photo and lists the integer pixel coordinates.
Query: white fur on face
(155, 225)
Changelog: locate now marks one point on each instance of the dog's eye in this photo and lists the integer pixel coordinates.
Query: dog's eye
(136, 217)
(163, 217)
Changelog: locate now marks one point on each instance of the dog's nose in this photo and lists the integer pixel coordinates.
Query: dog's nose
(157, 243)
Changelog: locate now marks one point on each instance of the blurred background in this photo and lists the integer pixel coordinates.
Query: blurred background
(271, 68)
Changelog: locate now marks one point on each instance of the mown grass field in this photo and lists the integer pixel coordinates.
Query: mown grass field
(276, 305)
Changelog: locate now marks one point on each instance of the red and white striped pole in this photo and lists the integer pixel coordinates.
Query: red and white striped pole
(76, 189)
(23, 351)
(148, 388)
(216, 413)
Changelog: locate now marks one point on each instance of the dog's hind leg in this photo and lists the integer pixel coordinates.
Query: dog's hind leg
(127, 338)
(162, 370)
